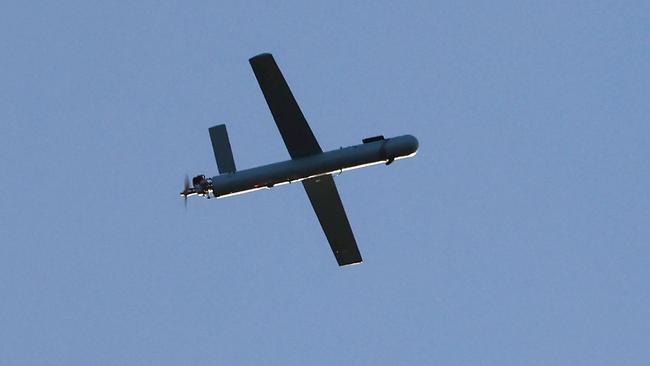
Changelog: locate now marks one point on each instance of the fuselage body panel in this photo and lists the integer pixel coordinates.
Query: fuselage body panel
(329, 162)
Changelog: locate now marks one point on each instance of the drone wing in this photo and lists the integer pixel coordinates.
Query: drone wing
(300, 142)
(327, 204)
(295, 131)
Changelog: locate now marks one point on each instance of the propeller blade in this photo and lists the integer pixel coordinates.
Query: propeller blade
(186, 186)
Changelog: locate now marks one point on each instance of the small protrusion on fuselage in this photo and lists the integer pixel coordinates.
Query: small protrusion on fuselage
(368, 140)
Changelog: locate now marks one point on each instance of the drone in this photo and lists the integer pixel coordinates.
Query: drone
(309, 165)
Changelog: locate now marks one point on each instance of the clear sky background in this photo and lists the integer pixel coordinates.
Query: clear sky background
(519, 234)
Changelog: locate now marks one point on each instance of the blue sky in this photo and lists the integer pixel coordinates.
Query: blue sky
(518, 234)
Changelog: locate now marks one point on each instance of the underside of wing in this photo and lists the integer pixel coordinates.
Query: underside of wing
(295, 131)
(325, 200)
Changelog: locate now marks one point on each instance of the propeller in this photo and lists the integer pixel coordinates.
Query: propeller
(186, 187)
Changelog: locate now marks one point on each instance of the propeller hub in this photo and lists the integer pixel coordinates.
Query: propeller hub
(201, 186)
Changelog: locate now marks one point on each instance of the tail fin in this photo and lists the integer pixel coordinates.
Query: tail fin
(222, 150)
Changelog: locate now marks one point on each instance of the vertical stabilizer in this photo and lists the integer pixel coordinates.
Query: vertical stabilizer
(222, 149)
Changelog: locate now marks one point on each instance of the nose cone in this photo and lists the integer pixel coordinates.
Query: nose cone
(402, 146)
(411, 144)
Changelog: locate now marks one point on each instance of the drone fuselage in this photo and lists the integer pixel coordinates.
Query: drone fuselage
(330, 162)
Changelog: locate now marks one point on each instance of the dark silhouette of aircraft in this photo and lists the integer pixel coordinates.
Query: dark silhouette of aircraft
(308, 164)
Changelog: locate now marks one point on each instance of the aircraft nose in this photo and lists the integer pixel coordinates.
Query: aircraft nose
(411, 144)
(401, 146)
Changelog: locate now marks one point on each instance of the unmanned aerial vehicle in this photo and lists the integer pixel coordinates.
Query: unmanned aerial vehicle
(308, 164)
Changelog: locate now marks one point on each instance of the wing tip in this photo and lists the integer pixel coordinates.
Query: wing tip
(349, 260)
(260, 57)
(351, 264)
